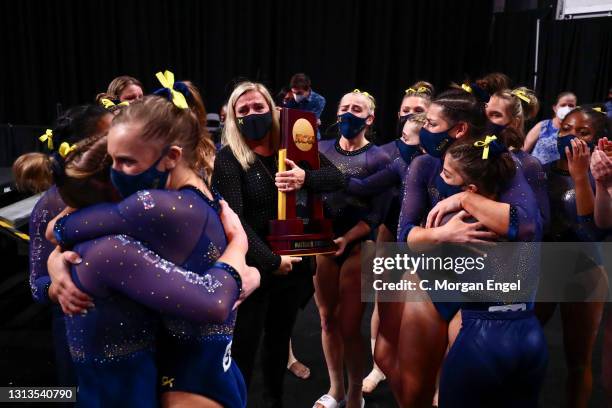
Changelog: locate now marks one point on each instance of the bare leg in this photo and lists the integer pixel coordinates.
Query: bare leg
(351, 312)
(606, 357)
(327, 288)
(421, 347)
(295, 366)
(580, 325)
(370, 382)
(179, 399)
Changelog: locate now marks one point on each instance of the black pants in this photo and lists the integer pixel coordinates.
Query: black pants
(270, 313)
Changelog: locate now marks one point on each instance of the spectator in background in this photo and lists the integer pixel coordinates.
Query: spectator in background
(302, 97)
(541, 141)
(123, 88)
(216, 134)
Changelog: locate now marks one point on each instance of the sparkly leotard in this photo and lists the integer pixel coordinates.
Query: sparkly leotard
(422, 191)
(118, 337)
(47, 208)
(345, 209)
(567, 226)
(391, 177)
(536, 177)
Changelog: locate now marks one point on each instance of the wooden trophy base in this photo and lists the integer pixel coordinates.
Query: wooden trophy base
(293, 237)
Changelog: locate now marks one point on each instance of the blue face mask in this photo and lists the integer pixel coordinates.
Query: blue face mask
(562, 143)
(151, 178)
(446, 190)
(408, 152)
(494, 129)
(350, 125)
(565, 141)
(435, 144)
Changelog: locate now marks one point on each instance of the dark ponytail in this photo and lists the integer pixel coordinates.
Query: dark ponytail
(460, 106)
(488, 175)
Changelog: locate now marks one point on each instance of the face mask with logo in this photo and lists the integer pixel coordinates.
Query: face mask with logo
(255, 126)
(128, 184)
(563, 111)
(435, 144)
(299, 98)
(350, 125)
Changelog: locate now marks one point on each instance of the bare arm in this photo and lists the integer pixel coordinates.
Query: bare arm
(532, 137)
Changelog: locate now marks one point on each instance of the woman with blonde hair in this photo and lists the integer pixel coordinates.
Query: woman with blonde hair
(246, 174)
(338, 279)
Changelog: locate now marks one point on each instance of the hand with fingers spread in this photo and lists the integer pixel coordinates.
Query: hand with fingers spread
(601, 162)
(605, 146)
(578, 158)
(286, 264)
(292, 179)
(62, 289)
(446, 206)
(459, 231)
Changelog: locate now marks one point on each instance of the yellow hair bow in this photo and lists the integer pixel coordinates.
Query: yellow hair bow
(466, 88)
(107, 103)
(167, 81)
(363, 93)
(598, 109)
(521, 95)
(420, 89)
(485, 145)
(47, 137)
(65, 149)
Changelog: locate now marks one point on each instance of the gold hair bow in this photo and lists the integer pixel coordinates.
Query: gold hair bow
(47, 137)
(519, 93)
(420, 89)
(466, 88)
(65, 149)
(167, 81)
(598, 109)
(107, 103)
(485, 145)
(364, 93)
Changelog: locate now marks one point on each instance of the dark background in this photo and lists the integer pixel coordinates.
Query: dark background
(67, 51)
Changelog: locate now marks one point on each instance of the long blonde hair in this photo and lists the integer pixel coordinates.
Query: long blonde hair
(231, 134)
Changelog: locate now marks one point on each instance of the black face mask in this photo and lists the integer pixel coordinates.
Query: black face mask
(255, 126)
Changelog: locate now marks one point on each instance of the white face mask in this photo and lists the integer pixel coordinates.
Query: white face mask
(563, 111)
(299, 98)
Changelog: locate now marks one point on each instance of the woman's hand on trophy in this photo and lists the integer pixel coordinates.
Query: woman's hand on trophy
(286, 264)
(292, 179)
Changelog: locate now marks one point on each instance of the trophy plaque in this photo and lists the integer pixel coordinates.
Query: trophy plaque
(300, 229)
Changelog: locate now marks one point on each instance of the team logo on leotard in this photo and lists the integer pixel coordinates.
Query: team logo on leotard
(227, 357)
(167, 381)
